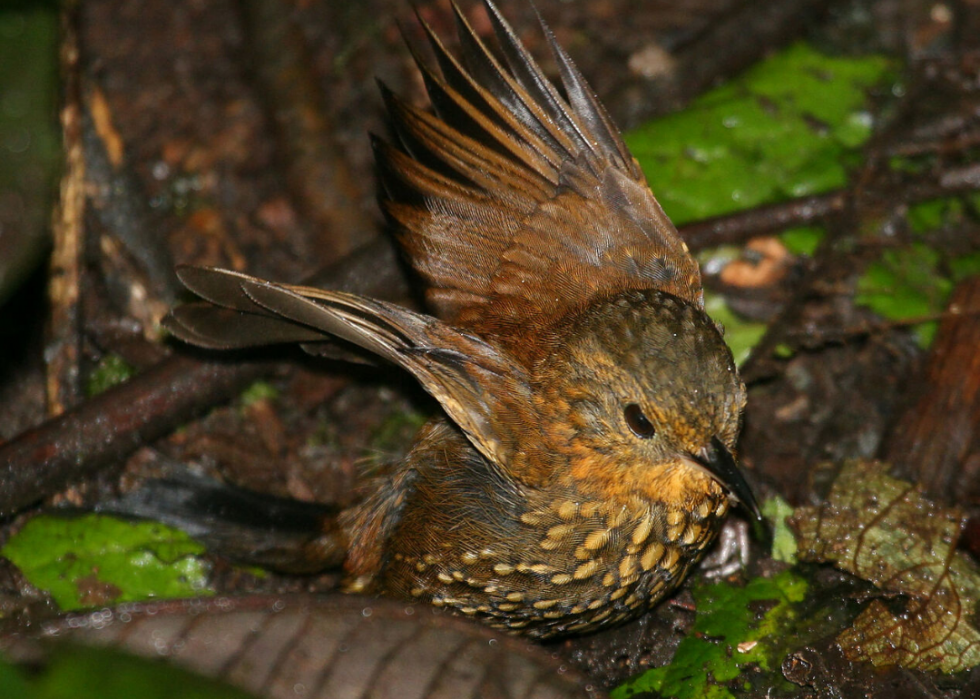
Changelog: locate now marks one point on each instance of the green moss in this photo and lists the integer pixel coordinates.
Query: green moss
(260, 390)
(728, 636)
(93, 560)
(111, 371)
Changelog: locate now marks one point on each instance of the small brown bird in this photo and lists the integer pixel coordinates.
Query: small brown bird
(584, 462)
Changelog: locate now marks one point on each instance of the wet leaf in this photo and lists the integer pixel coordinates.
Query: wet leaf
(930, 215)
(783, 129)
(914, 281)
(802, 240)
(729, 634)
(13, 684)
(776, 510)
(95, 560)
(904, 284)
(884, 531)
(965, 266)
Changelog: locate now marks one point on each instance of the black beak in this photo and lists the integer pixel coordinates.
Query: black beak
(718, 461)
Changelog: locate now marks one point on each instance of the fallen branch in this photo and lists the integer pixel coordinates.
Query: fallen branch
(102, 431)
(105, 429)
(938, 430)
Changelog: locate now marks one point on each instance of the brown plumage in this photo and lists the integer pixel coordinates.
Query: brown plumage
(584, 460)
(515, 206)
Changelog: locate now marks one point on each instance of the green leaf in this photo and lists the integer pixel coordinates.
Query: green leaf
(728, 635)
(965, 266)
(803, 240)
(740, 334)
(933, 214)
(912, 281)
(925, 333)
(905, 283)
(783, 351)
(94, 560)
(13, 683)
(776, 510)
(784, 128)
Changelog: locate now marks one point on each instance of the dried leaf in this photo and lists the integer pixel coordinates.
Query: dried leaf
(883, 530)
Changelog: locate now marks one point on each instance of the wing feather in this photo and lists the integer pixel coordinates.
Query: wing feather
(515, 204)
(453, 365)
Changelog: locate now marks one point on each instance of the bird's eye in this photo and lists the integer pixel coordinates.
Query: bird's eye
(638, 422)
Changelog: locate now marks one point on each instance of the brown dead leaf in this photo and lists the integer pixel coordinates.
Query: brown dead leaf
(763, 263)
(883, 530)
(93, 592)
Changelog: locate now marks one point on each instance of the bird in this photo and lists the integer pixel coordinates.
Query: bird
(583, 460)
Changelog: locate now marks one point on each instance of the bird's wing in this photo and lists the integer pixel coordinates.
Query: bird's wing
(514, 203)
(455, 366)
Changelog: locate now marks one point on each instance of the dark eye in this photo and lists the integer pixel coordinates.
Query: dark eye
(638, 422)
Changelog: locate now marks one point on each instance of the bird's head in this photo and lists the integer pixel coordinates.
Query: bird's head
(641, 393)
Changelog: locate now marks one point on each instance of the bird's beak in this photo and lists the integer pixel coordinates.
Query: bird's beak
(718, 461)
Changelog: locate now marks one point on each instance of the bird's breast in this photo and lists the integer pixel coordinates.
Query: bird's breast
(570, 565)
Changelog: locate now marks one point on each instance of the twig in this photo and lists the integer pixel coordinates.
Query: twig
(739, 227)
(736, 228)
(105, 429)
(64, 324)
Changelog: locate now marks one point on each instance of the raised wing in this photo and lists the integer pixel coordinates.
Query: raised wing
(516, 204)
(454, 366)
